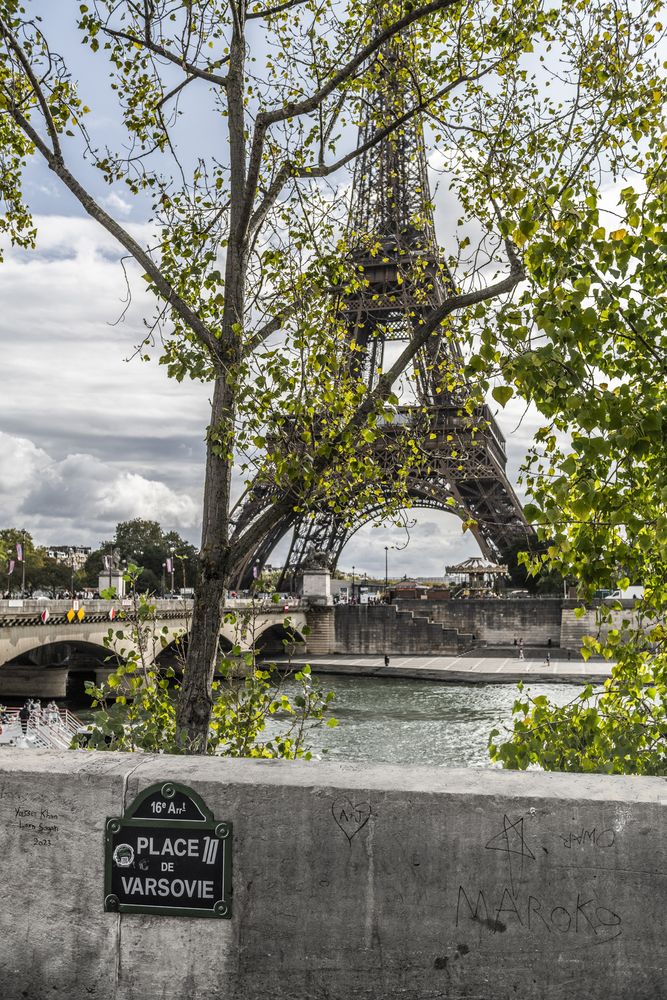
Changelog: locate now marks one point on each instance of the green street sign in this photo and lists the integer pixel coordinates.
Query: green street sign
(168, 855)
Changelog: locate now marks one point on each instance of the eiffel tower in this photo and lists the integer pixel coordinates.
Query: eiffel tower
(392, 229)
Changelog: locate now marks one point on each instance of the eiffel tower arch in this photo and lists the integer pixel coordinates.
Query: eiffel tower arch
(392, 233)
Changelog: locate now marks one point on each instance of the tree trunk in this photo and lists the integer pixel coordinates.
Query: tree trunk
(195, 702)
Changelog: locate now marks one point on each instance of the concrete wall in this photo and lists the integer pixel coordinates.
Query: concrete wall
(350, 883)
(573, 628)
(497, 622)
(382, 628)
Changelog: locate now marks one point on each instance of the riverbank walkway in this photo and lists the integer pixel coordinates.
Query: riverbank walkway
(472, 668)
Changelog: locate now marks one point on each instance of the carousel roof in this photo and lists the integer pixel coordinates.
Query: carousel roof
(477, 565)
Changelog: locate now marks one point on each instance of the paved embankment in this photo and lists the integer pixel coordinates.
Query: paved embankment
(470, 669)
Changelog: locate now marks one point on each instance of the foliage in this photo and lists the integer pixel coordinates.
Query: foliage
(525, 104)
(144, 543)
(42, 572)
(537, 579)
(618, 729)
(595, 321)
(9, 538)
(136, 707)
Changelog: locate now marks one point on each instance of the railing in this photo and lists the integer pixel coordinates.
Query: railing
(28, 613)
(51, 730)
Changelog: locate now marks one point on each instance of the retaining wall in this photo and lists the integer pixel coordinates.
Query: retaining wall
(535, 620)
(350, 883)
(381, 628)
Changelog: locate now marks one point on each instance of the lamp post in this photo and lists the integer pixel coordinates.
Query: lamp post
(353, 584)
(71, 585)
(172, 570)
(23, 534)
(386, 567)
(164, 568)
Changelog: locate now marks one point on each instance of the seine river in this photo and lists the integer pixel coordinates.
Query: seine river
(394, 721)
(385, 720)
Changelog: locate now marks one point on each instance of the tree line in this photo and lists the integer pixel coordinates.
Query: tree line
(168, 562)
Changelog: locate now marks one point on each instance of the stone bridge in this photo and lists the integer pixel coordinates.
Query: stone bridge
(54, 657)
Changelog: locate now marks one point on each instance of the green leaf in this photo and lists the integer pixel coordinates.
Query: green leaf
(502, 394)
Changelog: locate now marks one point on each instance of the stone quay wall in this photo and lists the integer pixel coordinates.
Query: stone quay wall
(382, 628)
(349, 882)
(535, 620)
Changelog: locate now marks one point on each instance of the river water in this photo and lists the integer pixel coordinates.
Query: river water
(386, 720)
(405, 721)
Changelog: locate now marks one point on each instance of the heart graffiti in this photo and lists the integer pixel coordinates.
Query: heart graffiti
(350, 817)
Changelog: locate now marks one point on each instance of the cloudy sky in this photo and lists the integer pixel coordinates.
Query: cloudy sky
(89, 438)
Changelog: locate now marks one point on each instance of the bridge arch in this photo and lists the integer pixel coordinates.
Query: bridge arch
(277, 640)
(174, 653)
(69, 652)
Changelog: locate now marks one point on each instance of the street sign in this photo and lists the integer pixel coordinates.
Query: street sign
(168, 855)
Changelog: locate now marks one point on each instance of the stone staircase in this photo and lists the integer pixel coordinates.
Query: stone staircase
(381, 628)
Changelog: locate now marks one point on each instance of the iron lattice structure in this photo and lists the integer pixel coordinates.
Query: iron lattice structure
(391, 228)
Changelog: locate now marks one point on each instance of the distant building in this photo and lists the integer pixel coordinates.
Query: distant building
(75, 555)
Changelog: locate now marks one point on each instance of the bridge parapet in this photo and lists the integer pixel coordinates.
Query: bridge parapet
(28, 612)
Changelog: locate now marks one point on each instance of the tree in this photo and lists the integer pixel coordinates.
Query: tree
(598, 307)
(50, 574)
(136, 709)
(250, 239)
(10, 538)
(145, 544)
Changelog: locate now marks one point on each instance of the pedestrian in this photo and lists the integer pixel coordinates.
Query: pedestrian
(386, 660)
(548, 659)
(24, 718)
(521, 656)
(515, 640)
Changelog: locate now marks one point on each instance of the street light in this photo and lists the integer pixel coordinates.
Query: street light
(23, 534)
(353, 584)
(172, 570)
(386, 567)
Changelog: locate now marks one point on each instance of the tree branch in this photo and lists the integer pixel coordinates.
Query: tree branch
(160, 50)
(259, 336)
(267, 118)
(37, 90)
(269, 11)
(287, 170)
(244, 542)
(174, 300)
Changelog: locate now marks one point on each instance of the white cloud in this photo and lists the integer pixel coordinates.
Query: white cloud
(81, 498)
(117, 205)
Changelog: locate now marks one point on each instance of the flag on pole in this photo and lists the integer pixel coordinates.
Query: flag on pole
(170, 565)
(255, 571)
(11, 567)
(19, 552)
